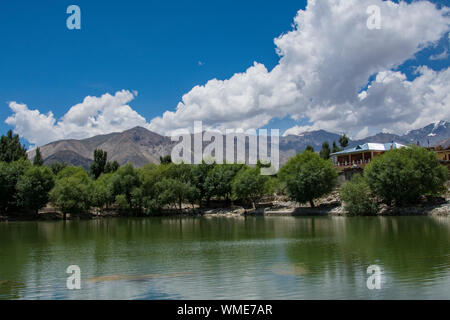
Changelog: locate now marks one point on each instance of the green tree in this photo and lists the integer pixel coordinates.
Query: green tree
(335, 148)
(56, 167)
(124, 181)
(99, 163)
(101, 194)
(325, 152)
(173, 192)
(404, 175)
(10, 174)
(307, 176)
(149, 176)
(192, 194)
(309, 148)
(218, 181)
(111, 167)
(181, 172)
(72, 191)
(122, 203)
(137, 200)
(249, 184)
(69, 171)
(273, 186)
(358, 198)
(343, 141)
(38, 161)
(199, 174)
(167, 192)
(33, 187)
(11, 149)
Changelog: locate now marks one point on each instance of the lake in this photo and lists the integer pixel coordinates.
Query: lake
(227, 258)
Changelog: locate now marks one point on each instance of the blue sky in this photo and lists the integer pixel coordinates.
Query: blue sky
(153, 47)
(162, 49)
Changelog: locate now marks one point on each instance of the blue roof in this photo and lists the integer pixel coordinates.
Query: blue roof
(370, 147)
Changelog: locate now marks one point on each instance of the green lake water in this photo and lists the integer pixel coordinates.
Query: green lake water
(227, 258)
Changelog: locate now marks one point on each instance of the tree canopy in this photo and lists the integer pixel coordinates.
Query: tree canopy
(38, 161)
(404, 175)
(72, 191)
(358, 198)
(309, 148)
(249, 184)
(335, 148)
(218, 181)
(325, 152)
(343, 141)
(11, 149)
(308, 176)
(33, 187)
(10, 174)
(99, 163)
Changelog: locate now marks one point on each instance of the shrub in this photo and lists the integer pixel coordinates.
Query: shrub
(357, 197)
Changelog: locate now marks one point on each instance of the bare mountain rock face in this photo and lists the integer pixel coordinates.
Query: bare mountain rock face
(137, 146)
(69, 157)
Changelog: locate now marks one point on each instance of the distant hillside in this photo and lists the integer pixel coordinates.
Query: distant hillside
(434, 133)
(313, 138)
(137, 146)
(140, 146)
(70, 157)
(430, 135)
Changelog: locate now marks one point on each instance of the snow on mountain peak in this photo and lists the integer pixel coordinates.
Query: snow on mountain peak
(438, 124)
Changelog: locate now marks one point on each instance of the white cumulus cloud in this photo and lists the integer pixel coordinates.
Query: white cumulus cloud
(326, 61)
(93, 116)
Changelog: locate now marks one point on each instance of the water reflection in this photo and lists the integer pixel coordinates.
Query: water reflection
(235, 258)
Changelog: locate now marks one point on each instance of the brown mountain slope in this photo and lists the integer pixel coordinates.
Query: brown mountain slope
(137, 146)
(69, 157)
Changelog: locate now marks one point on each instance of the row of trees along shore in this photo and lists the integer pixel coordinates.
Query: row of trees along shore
(399, 177)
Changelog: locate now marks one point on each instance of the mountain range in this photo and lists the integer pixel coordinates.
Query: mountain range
(140, 146)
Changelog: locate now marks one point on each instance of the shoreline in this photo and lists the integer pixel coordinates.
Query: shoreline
(277, 209)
